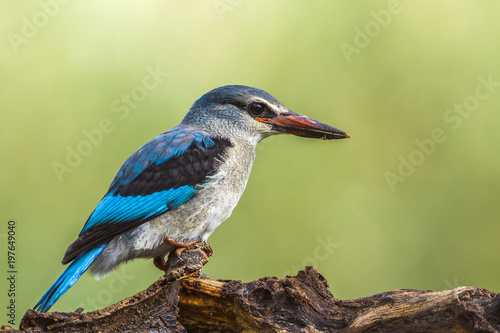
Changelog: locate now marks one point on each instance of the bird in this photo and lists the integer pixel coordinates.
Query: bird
(180, 186)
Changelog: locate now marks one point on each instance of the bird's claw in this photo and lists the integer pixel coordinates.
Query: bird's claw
(180, 246)
(178, 252)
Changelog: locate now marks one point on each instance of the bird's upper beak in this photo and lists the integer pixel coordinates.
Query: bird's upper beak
(297, 124)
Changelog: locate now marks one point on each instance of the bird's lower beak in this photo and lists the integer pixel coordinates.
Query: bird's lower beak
(297, 124)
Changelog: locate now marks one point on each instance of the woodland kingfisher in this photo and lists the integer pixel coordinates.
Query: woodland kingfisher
(177, 188)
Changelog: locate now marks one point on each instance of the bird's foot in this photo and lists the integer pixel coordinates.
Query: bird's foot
(180, 246)
(160, 263)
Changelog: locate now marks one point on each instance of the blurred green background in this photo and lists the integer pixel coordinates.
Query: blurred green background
(372, 213)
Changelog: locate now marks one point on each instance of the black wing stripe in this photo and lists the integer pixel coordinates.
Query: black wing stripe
(191, 168)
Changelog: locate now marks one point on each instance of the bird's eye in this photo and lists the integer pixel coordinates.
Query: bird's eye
(257, 109)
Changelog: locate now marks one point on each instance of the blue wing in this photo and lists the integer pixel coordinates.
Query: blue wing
(160, 176)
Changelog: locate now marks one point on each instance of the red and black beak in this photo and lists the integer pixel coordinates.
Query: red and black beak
(297, 124)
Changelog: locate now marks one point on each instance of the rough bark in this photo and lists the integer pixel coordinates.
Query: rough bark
(185, 301)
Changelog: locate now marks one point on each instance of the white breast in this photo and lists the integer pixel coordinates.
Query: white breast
(193, 220)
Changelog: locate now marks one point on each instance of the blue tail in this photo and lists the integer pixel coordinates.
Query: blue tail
(68, 278)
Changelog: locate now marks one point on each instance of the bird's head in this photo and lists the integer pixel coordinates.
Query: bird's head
(252, 114)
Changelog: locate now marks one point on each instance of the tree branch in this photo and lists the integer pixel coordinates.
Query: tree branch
(185, 301)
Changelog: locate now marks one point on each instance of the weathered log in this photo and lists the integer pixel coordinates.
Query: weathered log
(185, 301)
